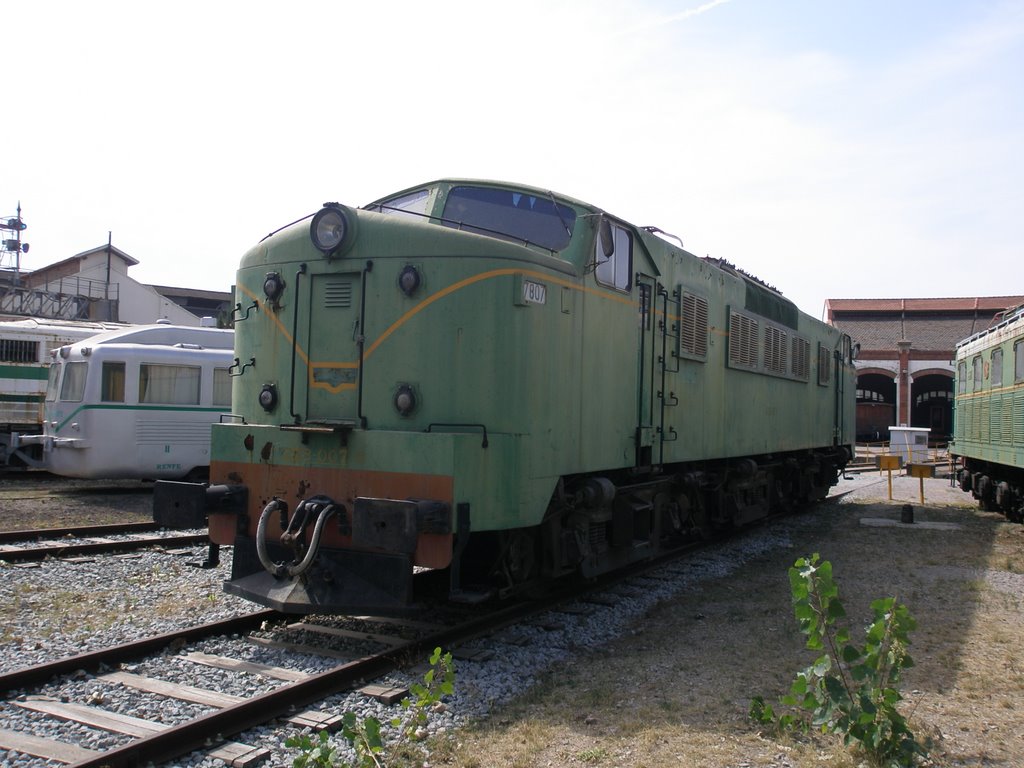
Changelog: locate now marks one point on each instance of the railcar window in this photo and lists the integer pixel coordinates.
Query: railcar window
(995, 375)
(19, 351)
(961, 374)
(1018, 361)
(976, 371)
(616, 270)
(169, 384)
(413, 204)
(112, 383)
(52, 381)
(510, 215)
(73, 387)
(221, 387)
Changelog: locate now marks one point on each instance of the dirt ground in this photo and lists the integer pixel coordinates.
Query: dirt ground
(677, 692)
(36, 500)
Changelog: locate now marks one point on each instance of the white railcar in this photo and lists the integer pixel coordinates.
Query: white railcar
(25, 354)
(137, 403)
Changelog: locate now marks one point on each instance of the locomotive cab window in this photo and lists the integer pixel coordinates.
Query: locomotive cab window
(614, 258)
(1018, 362)
(510, 215)
(961, 374)
(413, 204)
(976, 372)
(112, 383)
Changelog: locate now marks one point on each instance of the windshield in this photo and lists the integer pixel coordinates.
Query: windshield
(509, 214)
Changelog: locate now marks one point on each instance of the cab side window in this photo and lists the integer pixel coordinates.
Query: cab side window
(614, 257)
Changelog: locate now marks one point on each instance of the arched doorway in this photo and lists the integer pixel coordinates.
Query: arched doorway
(876, 404)
(932, 402)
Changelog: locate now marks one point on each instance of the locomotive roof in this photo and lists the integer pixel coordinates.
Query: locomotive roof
(455, 181)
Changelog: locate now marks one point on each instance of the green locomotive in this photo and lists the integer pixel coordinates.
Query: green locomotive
(502, 386)
(988, 424)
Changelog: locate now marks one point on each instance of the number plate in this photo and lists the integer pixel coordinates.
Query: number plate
(534, 293)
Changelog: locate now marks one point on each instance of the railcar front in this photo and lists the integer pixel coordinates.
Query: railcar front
(136, 403)
(988, 425)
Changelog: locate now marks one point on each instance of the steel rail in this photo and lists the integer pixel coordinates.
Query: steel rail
(92, 660)
(31, 554)
(80, 531)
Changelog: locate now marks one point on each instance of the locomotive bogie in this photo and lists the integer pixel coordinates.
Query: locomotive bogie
(506, 387)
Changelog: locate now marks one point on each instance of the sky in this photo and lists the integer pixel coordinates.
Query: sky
(835, 149)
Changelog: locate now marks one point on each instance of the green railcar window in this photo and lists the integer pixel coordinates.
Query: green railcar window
(995, 373)
(1018, 361)
(615, 270)
(961, 375)
(976, 370)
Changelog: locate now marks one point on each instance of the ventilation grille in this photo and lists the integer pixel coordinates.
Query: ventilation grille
(801, 358)
(742, 341)
(775, 350)
(338, 294)
(824, 365)
(694, 331)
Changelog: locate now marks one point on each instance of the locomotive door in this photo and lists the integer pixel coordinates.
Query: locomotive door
(648, 449)
(333, 336)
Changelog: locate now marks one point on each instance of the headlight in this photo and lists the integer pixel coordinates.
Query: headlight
(273, 286)
(328, 228)
(405, 400)
(409, 280)
(268, 397)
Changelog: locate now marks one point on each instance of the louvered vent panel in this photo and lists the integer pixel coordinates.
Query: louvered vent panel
(801, 358)
(995, 424)
(775, 349)
(1018, 416)
(694, 331)
(983, 416)
(1006, 416)
(338, 294)
(824, 365)
(742, 341)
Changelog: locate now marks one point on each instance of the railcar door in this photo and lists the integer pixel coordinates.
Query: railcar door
(646, 432)
(333, 342)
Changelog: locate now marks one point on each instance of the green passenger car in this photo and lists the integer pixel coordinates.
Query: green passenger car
(503, 386)
(988, 431)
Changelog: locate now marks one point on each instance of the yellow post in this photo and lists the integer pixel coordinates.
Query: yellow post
(921, 471)
(889, 463)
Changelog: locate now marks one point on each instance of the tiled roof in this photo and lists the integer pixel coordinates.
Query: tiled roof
(953, 304)
(935, 332)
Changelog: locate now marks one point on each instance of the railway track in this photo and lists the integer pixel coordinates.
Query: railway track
(23, 546)
(372, 647)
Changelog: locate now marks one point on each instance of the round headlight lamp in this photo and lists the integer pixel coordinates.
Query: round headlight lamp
(409, 279)
(273, 286)
(405, 400)
(268, 397)
(328, 228)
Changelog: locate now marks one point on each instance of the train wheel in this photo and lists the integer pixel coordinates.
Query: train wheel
(519, 558)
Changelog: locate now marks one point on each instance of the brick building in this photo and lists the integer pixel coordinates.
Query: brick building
(905, 366)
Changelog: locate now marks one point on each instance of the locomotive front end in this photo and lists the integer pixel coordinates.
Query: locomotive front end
(373, 404)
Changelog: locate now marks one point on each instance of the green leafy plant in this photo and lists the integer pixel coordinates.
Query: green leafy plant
(366, 736)
(849, 690)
